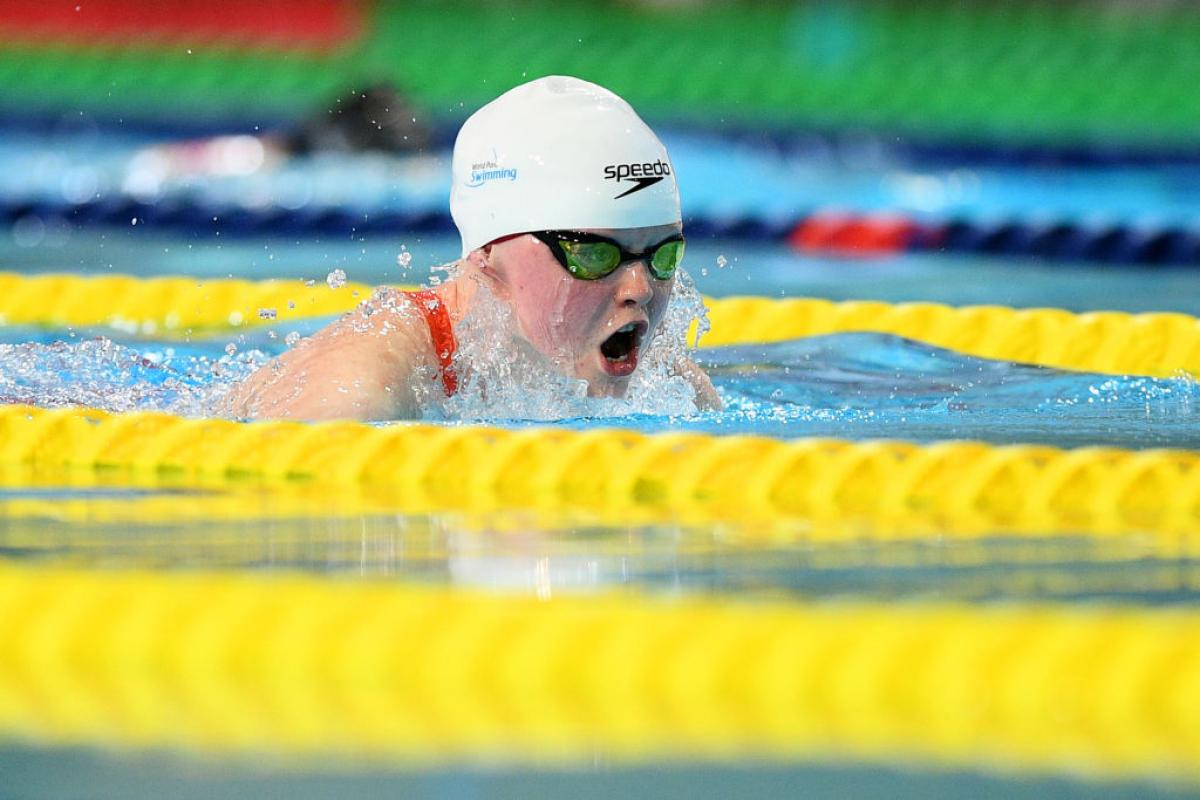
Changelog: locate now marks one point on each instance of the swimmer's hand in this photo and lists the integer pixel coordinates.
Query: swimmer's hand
(707, 398)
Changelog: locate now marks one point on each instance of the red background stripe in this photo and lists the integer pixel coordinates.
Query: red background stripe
(275, 24)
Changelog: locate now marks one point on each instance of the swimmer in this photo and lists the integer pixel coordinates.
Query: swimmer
(569, 215)
(378, 119)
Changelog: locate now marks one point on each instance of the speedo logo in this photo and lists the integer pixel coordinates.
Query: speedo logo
(643, 174)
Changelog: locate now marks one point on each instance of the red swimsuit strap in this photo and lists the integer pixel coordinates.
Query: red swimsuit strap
(440, 330)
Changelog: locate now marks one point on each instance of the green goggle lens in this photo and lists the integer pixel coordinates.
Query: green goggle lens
(667, 259)
(591, 261)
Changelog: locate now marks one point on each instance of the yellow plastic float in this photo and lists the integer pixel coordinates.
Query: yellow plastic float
(1156, 344)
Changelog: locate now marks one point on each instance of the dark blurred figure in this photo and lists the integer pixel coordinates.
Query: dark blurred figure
(377, 118)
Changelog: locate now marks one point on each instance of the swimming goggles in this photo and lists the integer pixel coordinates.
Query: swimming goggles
(590, 257)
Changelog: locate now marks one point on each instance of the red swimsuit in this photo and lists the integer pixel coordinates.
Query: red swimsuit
(438, 319)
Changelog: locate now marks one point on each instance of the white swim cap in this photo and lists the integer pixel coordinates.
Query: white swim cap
(558, 153)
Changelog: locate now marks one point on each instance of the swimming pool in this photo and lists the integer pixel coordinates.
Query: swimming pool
(941, 541)
(987, 548)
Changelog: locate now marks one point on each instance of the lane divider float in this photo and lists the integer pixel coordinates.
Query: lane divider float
(1115, 342)
(970, 488)
(300, 667)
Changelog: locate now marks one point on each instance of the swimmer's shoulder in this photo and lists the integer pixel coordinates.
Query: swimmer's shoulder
(399, 326)
(389, 345)
(364, 365)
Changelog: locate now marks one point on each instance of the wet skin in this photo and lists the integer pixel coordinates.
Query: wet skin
(364, 365)
(567, 319)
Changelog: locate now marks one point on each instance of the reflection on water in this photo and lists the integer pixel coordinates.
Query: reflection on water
(850, 385)
(865, 385)
(119, 522)
(73, 773)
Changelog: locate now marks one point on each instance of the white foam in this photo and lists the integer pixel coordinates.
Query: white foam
(501, 376)
(100, 373)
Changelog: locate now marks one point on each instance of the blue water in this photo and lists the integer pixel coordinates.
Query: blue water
(854, 386)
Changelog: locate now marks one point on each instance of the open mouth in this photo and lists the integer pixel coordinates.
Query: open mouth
(620, 350)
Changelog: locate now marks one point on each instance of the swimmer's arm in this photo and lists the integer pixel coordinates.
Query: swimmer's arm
(353, 368)
(707, 398)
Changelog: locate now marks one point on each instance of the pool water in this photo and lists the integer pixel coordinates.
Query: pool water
(855, 386)
(851, 386)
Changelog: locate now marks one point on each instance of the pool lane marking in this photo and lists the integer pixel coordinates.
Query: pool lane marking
(962, 489)
(296, 667)
(1113, 342)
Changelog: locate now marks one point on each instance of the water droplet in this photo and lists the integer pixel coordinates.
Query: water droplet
(266, 313)
(292, 338)
(404, 259)
(722, 262)
(230, 349)
(336, 279)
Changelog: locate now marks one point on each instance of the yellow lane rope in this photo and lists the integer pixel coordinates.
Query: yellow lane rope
(301, 666)
(76, 516)
(965, 487)
(1155, 344)
(152, 305)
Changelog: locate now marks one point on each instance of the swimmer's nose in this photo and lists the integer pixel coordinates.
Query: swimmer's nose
(633, 284)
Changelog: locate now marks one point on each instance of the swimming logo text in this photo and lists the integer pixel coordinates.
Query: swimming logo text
(484, 171)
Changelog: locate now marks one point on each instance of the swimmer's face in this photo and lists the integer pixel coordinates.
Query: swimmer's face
(595, 330)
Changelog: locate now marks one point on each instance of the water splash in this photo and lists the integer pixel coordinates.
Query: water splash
(503, 377)
(336, 278)
(854, 386)
(101, 373)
